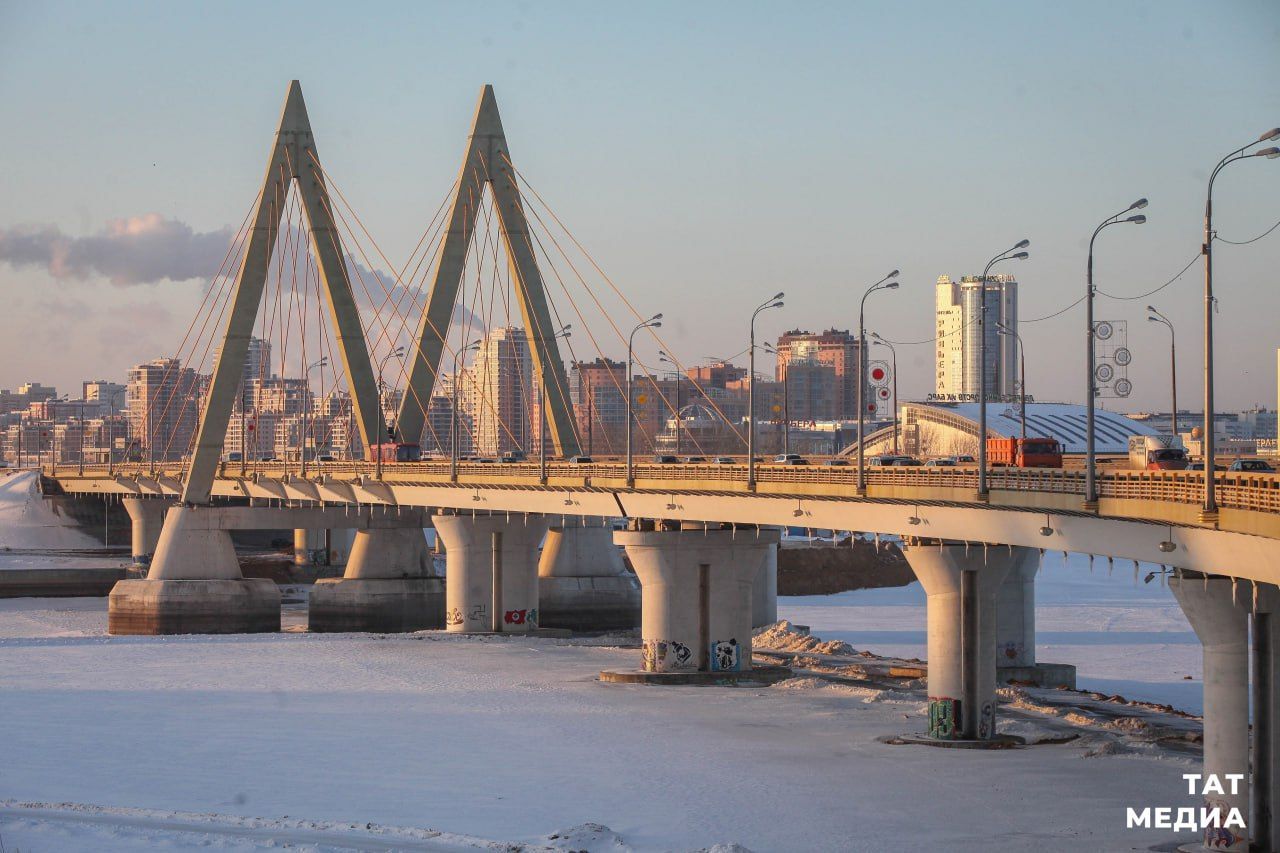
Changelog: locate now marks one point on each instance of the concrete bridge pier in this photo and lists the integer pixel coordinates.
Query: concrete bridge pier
(583, 584)
(697, 594)
(147, 516)
(389, 586)
(1219, 612)
(194, 585)
(962, 582)
(321, 546)
(491, 566)
(764, 589)
(1016, 627)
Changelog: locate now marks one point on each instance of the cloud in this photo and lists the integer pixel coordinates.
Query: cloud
(138, 250)
(149, 249)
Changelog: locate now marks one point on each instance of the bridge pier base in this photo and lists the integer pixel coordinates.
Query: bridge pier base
(1016, 628)
(194, 585)
(389, 586)
(147, 516)
(961, 582)
(1218, 611)
(491, 564)
(583, 584)
(764, 589)
(696, 585)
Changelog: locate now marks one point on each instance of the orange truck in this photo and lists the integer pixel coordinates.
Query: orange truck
(1024, 453)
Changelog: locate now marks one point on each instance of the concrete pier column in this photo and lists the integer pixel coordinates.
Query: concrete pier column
(322, 547)
(1220, 617)
(194, 585)
(491, 565)
(147, 516)
(696, 588)
(1016, 612)
(389, 585)
(961, 582)
(583, 583)
(1265, 636)
(764, 590)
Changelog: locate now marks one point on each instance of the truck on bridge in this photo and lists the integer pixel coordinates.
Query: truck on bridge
(1157, 453)
(1016, 452)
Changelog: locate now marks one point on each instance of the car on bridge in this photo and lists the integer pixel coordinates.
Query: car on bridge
(664, 459)
(695, 460)
(580, 460)
(723, 460)
(837, 462)
(1254, 466)
(790, 459)
(1199, 466)
(944, 462)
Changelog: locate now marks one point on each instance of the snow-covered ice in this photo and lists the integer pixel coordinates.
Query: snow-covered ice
(500, 739)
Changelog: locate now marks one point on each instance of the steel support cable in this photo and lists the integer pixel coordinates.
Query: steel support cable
(417, 344)
(614, 287)
(215, 286)
(615, 327)
(220, 305)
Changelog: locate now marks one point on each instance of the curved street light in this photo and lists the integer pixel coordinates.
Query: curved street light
(1210, 510)
(398, 352)
(652, 323)
(306, 376)
(1002, 329)
(1091, 381)
(774, 301)
(1011, 254)
(1157, 317)
(454, 421)
(893, 353)
(886, 283)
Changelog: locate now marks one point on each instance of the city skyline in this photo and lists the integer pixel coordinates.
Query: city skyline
(1061, 157)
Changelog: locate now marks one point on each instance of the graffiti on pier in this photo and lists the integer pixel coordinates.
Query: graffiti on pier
(944, 717)
(453, 617)
(666, 656)
(726, 656)
(1012, 650)
(479, 613)
(514, 617)
(1219, 837)
(987, 721)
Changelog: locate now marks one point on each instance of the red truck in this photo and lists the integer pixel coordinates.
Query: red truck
(1024, 453)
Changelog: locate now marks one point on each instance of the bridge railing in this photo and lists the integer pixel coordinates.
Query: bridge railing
(1248, 491)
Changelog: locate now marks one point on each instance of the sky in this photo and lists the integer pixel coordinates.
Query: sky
(706, 155)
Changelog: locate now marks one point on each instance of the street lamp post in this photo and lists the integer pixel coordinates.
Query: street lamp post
(1022, 375)
(1210, 510)
(786, 396)
(454, 420)
(1006, 255)
(306, 390)
(886, 283)
(662, 356)
(398, 352)
(1173, 363)
(542, 415)
(1091, 389)
(652, 323)
(773, 302)
(893, 356)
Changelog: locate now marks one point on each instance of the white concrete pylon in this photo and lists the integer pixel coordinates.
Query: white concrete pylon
(491, 566)
(293, 157)
(696, 589)
(961, 586)
(488, 162)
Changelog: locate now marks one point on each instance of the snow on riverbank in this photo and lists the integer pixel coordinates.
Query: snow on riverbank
(29, 522)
